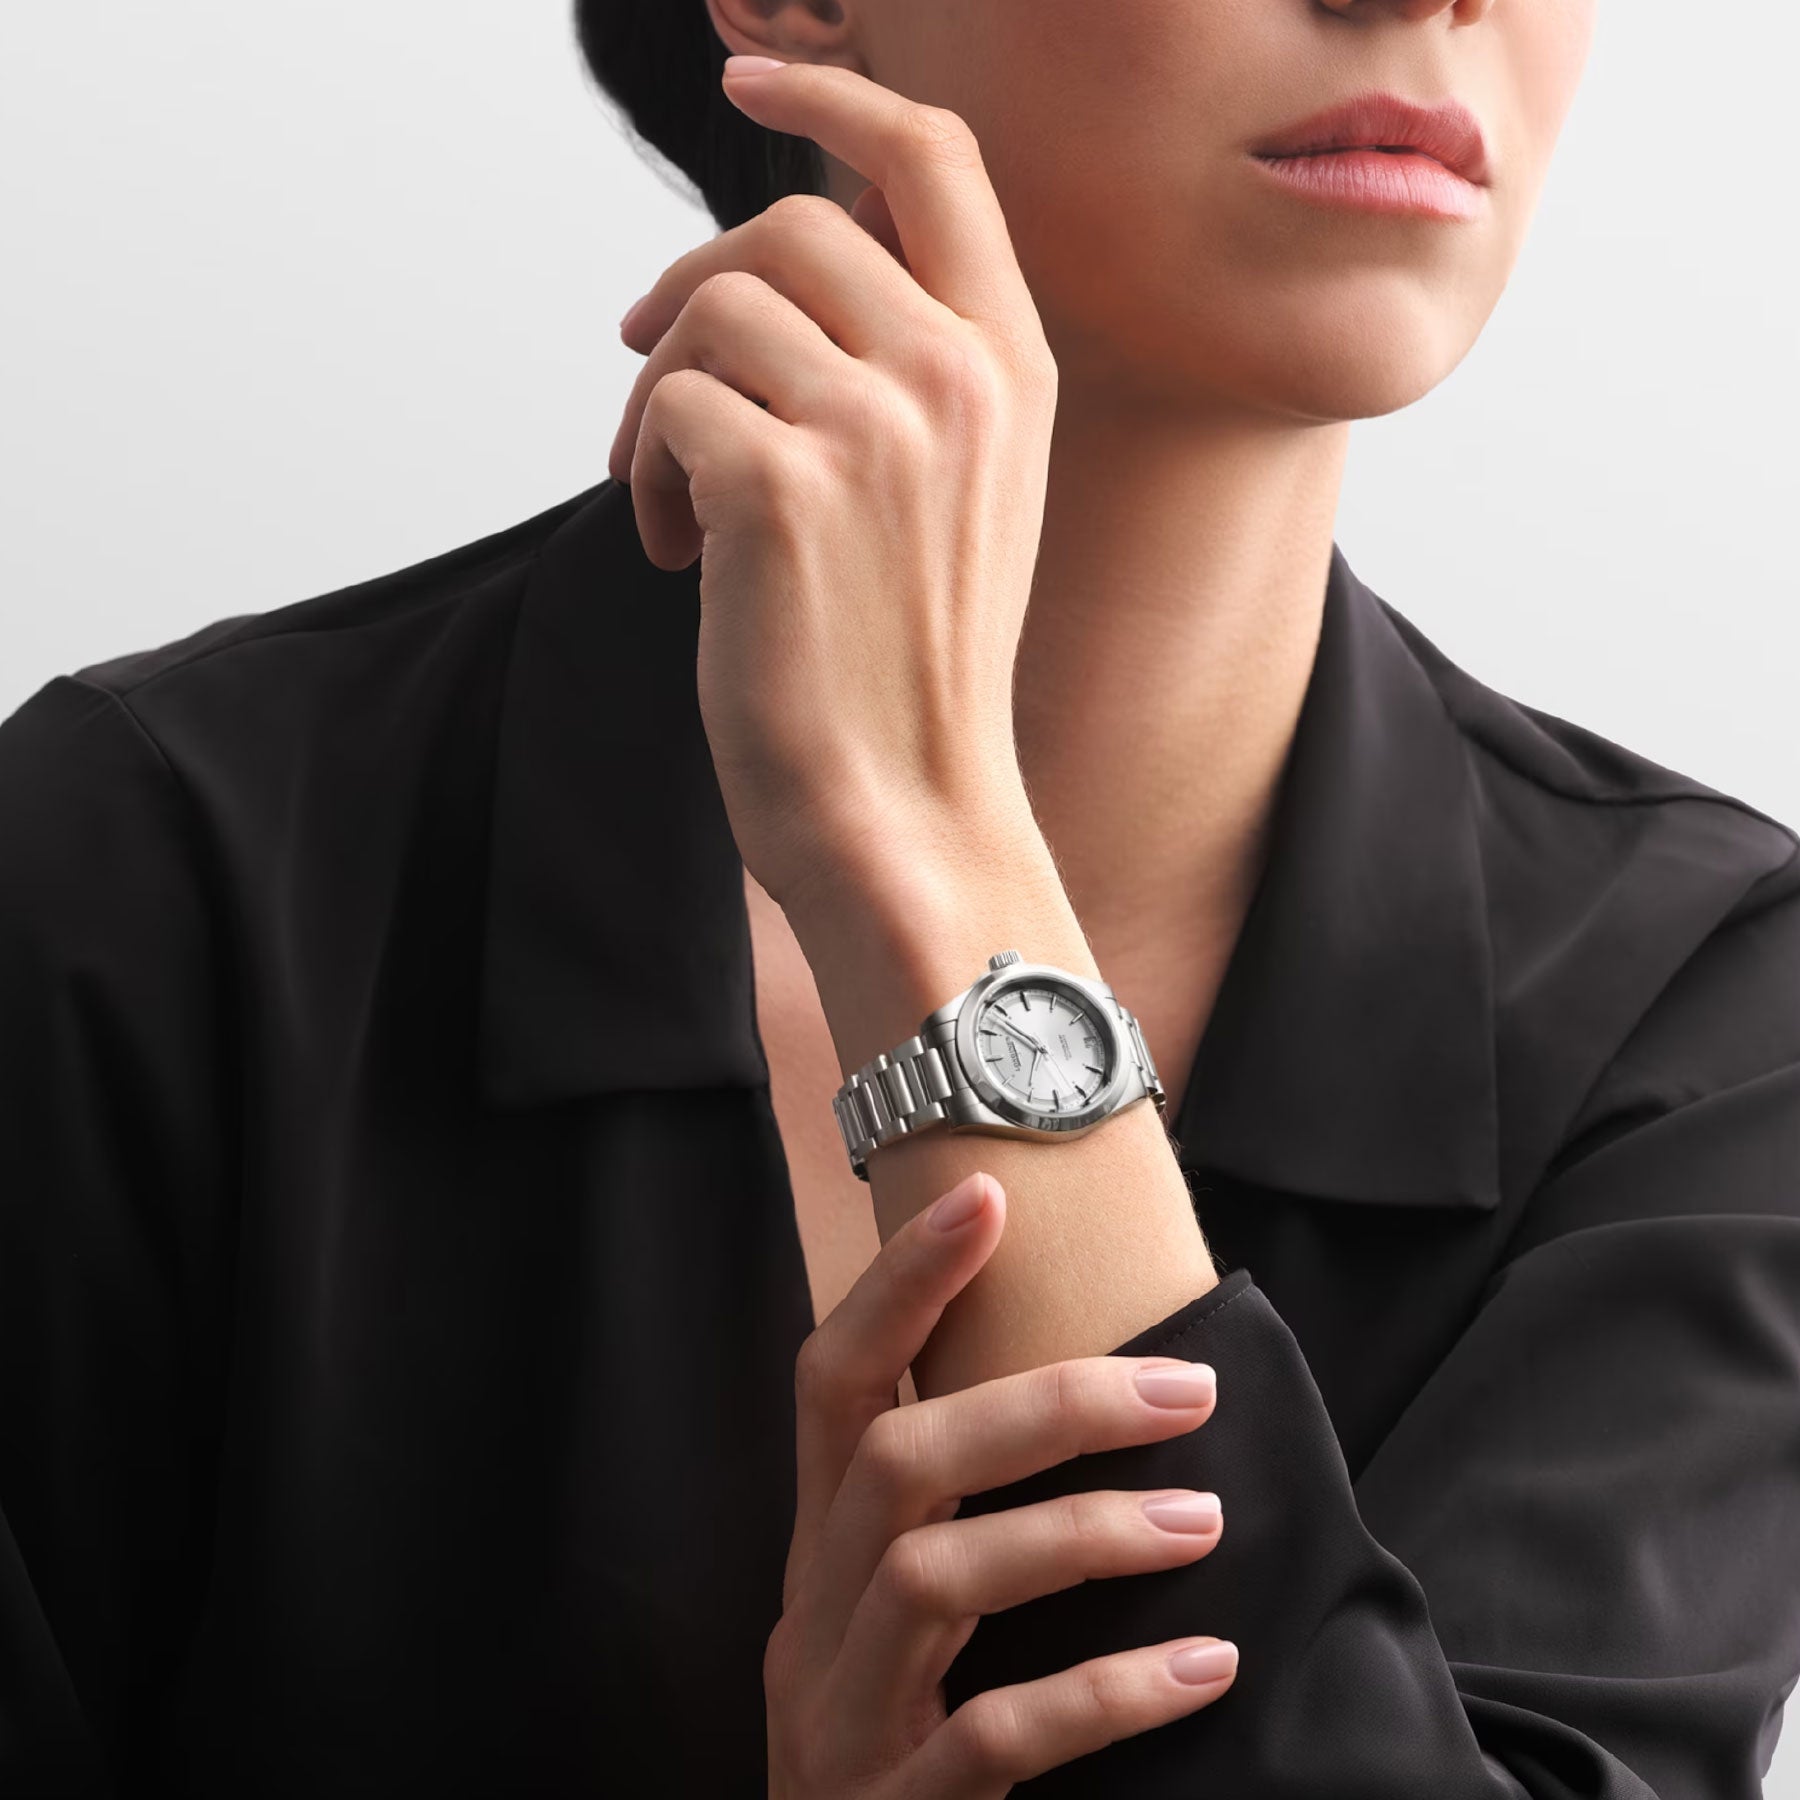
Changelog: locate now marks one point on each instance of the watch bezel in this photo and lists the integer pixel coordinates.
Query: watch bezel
(996, 1098)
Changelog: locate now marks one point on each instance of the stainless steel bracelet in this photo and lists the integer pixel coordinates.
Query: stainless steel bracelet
(920, 1083)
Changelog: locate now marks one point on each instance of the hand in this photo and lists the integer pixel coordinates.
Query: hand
(884, 1585)
(867, 542)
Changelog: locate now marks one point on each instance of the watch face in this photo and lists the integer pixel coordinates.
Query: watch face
(1042, 1046)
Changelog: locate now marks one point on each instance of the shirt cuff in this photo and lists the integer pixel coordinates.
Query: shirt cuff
(1341, 1685)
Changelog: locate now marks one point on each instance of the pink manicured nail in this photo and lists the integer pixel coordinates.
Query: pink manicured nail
(960, 1205)
(1204, 1662)
(752, 65)
(1192, 1385)
(1184, 1512)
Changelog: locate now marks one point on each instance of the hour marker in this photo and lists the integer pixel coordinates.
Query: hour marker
(1092, 1070)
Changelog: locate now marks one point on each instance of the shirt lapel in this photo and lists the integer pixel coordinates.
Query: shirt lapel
(1350, 1052)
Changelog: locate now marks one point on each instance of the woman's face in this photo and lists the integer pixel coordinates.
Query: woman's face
(1163, 256)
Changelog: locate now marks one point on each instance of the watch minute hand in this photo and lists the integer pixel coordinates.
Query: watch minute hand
(1025, 1035)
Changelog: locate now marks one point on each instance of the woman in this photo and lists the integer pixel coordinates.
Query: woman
(445, 1346)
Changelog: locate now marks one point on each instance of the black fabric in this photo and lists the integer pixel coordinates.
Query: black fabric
(400, 1287)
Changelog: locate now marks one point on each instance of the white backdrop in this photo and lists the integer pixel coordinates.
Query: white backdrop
(296, 296)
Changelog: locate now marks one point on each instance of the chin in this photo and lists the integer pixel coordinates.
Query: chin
(1336, 354)
(1318, 348)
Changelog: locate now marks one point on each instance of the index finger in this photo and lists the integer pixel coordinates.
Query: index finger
(849, 1367)
(930, 171)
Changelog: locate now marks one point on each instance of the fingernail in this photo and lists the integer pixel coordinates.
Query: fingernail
(752, 65)
(631, 312)
(1204, 1662)
(1193, 1384)
(960, 1205)
(1184, 1512)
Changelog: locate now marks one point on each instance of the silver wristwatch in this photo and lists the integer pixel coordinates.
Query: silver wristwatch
(1026, 1050)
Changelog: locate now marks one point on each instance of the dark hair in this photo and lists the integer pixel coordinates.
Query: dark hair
(659, 61)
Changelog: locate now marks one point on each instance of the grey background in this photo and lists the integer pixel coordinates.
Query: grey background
(297, 296)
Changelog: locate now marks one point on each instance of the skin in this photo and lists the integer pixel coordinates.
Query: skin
(1174, 455)
(1213, 340)
(884, 1585)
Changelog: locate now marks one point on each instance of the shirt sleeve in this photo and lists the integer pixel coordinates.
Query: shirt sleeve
(116, 1152)
(1572, 1569)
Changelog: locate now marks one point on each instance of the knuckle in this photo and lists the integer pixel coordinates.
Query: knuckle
(937, 131)
(675, 385)
(776, 488)
(888, 1448)
(1103, 1686)
(878, 432)
(960, 371)
(1064, 1396)
(1089, 1525)
(990, 1734)
(823, 1381)
(803, 212)
(894, 417)
(914, 1571)
(725, 291)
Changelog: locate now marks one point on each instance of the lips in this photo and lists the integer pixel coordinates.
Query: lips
(1447, 133)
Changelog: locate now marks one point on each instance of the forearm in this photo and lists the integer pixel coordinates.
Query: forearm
(1101, 1238)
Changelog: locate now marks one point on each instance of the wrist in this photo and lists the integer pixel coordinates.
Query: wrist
(897, 924)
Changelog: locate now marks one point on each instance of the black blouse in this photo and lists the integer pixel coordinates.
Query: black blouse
(400, 1287)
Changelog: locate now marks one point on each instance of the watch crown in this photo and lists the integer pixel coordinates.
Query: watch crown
(1001, 958)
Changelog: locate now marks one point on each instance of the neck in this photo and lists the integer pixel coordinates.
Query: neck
(1174, 615)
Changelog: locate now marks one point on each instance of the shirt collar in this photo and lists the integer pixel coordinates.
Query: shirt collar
(1350, 1051)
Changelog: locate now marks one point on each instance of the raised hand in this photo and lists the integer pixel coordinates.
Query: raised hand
(848, 415)
(884, 1585)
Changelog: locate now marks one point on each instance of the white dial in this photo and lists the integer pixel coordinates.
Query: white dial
(1041, 1045)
